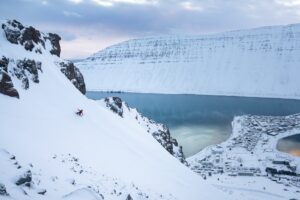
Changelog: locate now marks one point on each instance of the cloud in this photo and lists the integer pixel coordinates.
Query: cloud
(74, 48)
(109, 3)
(288, 3)
(107, 21)
(103, 3)
(71, 14)
(76, 1)
(191, 6)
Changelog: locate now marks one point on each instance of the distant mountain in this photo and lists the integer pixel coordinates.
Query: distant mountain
(261, 62)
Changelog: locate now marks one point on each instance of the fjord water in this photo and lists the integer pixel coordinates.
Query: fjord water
(290, 145)
(198, 121)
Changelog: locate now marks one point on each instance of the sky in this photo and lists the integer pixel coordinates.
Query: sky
(87, 26)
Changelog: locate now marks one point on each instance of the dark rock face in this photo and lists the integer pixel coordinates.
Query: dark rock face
(129, 197)
(170, 144)
(74, 75)
(12, 34)
(3, 191)
(54, 39)
(115, 105)
(27, 69)
(25, 179)
(31, 67)
(6, 85)
(42, 192)
(29, 37)
(24, 70)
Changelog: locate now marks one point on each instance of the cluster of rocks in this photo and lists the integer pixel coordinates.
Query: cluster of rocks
(28, 69)
(25, 179)
(164, 137)
(3, 191)
(115, 105)
(30, 38)
(6, 84)
(161, 132)
(74, 75)
(24, 70)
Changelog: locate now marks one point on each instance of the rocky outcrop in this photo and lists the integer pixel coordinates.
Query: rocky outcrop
(26, 70)
(54, 39)
(42, 191)
(129, 197)
(115, 105)
(159, 131)
(30, 38)
(164, 137)
(3, 191)
(74, 75)
(25, 179)
(6, 84)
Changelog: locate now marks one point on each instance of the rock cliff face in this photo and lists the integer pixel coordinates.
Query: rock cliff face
(159, 131)
(74, 75)
(27, 70)
(30, 38)
(6, 85)
(261, 62)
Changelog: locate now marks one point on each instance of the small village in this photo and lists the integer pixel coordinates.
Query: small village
(251, 151)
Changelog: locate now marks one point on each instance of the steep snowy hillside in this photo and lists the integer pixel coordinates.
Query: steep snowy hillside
(262, 62)
(159, 131)
(48, 152)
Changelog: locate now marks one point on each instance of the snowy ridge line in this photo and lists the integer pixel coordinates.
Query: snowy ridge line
(260, 62)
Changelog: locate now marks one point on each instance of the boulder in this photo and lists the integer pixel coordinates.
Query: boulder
(42, 191)
(129, 197)
(3, 191)
(25, 179)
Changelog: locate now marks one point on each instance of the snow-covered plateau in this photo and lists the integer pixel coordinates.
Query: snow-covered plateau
(110, 152)
(261, 62)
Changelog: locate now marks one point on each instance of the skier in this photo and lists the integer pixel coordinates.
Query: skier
(79, 112)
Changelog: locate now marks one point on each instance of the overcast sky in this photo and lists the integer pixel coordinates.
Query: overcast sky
(87, 26)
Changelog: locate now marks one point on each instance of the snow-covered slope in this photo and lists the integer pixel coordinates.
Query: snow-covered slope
(262, 62)
(48, 152)
(159, 131)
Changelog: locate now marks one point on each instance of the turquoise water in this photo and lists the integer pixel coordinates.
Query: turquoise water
(197, 121)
